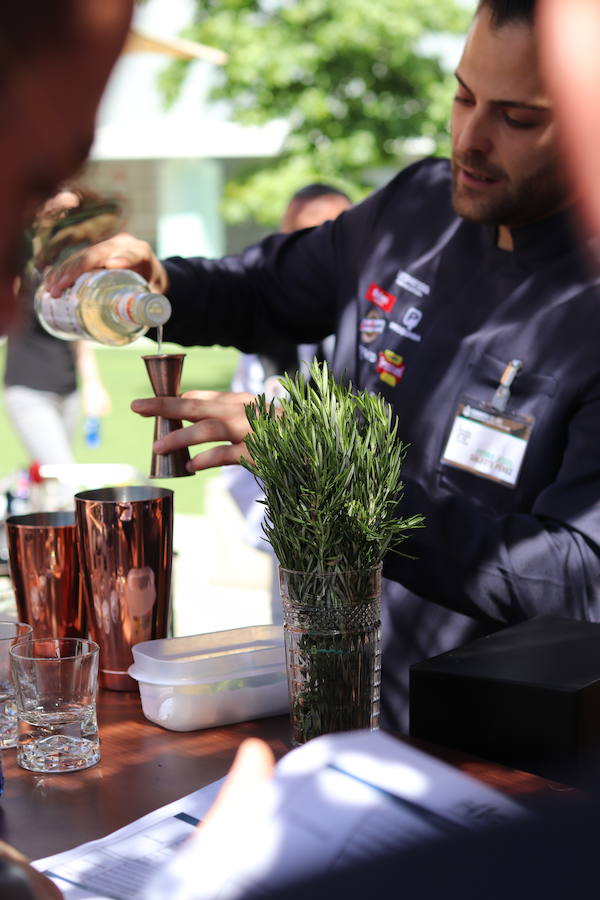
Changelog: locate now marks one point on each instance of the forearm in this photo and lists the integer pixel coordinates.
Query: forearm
(505, 568)
(282, 288)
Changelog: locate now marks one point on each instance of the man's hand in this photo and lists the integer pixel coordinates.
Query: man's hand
(217, 416)
(123, 251)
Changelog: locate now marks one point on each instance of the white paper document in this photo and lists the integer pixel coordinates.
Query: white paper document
(334, 801)
(117, 867)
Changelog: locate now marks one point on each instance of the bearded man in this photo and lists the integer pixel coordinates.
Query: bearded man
(461, 291)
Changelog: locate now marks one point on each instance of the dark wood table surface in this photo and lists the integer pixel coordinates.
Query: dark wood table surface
(144, 767)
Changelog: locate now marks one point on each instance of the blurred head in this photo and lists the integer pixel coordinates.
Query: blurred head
(73, 217)
(505, 161)
(312, 205)
(569, 40)
(55, 59)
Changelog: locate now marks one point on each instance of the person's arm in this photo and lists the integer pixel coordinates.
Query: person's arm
(96, 401)
(287, 287)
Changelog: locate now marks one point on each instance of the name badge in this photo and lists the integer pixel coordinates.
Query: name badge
(487, 442)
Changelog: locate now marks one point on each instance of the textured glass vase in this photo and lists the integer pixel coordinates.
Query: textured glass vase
(332, 629)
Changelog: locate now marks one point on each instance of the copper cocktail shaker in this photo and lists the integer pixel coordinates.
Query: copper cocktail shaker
(126, 548)
(164, 371)
(45, 573)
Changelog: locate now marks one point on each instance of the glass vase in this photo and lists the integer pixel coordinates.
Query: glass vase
(332, 630)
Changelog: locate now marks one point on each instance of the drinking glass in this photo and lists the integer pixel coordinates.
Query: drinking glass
(55, 685)
(10, 633)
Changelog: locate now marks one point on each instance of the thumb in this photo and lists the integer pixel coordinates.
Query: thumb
(252, 767)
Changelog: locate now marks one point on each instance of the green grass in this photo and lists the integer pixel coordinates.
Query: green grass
(126, 437)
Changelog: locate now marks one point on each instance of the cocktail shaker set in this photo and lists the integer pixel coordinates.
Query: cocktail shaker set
(103, 570)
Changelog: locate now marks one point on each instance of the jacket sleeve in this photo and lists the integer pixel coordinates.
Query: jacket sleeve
(281, 288)
(289, 287)
(515, 566)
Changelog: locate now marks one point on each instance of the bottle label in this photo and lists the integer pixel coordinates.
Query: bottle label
(61, 312)
(124, 307)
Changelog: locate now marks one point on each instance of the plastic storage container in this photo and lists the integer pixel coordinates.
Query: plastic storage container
(206, 680)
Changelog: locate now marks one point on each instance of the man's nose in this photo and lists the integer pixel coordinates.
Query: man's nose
(472, 133)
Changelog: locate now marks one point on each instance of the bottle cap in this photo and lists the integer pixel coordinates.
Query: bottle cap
(156, 309)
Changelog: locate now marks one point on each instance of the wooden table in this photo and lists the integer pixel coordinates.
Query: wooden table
(144, 767)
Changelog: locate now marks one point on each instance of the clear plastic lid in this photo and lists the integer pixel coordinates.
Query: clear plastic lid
(202, 658)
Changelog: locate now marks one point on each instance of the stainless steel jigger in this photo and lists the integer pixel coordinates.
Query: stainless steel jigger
(164, 371)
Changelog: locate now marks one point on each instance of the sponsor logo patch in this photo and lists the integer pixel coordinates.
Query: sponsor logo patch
(371, 326)
(412, 285)
(369, 355)
(411, 319)
(380, 298)
(390, 367)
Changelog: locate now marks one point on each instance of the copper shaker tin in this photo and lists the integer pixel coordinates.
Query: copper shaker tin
(45, 573)
(126, 548)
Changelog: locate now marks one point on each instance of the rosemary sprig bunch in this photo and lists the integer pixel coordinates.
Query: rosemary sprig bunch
(330, 464)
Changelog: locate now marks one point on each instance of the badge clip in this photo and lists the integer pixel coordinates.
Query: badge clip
(502, 395)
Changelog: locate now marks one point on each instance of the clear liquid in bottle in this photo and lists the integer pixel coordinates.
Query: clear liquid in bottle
(111, 306)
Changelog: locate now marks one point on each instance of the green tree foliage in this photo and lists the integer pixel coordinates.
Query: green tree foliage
(352, 78)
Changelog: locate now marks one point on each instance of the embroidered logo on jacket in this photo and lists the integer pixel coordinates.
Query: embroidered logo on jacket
(371, 326)
(380, 298)
(411, 319)
(390, 367)
(412, 285)
(369, 355)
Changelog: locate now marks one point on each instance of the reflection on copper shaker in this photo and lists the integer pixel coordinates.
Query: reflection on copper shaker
(45, 573)
(126, 548)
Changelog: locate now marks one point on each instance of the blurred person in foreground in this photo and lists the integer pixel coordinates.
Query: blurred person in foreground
(458, 275)
(259, 373)
(54, 63)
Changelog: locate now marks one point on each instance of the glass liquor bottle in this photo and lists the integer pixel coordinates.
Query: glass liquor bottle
(110, 306)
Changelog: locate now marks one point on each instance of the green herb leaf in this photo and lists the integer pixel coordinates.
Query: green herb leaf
(330, 464)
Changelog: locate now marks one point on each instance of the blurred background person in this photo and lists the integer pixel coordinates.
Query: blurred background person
(42, 373)
(260, 373)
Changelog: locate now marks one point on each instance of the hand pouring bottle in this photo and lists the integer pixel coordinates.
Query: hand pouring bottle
(110, 306)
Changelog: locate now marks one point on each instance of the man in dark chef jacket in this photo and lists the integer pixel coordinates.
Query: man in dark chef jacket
(463, 292)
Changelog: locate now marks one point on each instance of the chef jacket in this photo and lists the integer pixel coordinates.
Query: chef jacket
(428, 310)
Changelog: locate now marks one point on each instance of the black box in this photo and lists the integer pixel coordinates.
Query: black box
(527, 696)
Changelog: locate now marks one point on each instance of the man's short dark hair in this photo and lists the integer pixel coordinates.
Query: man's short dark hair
(318, 189)
(504, 12)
